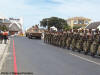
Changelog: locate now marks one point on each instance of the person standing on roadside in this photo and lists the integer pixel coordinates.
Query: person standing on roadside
(5, 36)
(1, 37)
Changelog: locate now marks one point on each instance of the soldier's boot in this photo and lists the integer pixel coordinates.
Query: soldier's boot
(73, 47)
(86, 50)
(68, 46)
(78, 47)
(63, 44)
(79, 50)
(60, 44)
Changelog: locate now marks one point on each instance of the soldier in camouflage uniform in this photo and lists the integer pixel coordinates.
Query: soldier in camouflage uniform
(48, 37)
(69, 39)
(57, 40)
(60, 39)
(80, 41)
(63, 39)
(74, 39)
(65, 36)
(86, 44)
(98, 50)
(95, 43)
(44, 36)
(51, 38)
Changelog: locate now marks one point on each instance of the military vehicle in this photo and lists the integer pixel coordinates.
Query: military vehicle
(34, 32)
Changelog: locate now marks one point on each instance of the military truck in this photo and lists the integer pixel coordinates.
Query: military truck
(34, 32)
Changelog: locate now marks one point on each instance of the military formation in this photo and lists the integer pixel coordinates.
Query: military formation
(87, 41)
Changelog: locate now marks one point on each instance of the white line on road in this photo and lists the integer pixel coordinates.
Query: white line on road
(85, 59)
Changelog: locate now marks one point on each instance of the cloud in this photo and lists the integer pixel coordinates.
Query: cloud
(70, 8)
(35, 10)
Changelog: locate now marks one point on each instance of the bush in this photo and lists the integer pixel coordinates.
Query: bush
(77, 27)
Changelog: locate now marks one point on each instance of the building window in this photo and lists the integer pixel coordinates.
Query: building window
(80, 21)
(75, 22)
(86, 22)
(1, 20)
(6, 21)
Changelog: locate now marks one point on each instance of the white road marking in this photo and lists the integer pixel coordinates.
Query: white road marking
(85, 59)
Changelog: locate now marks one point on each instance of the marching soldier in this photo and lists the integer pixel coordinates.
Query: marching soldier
(60, 39)
(69, 39)
(98, 50)
(1, 37)
(80, 41)
(74, 39)
(95, 43)
(86, 42)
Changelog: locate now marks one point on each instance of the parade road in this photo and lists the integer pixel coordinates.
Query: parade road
(34, 56)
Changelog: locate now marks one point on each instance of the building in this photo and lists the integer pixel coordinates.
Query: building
(4, 21)
(13, 25)
(94, 25)
(78, 21)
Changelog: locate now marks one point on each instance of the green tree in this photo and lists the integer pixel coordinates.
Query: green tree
(67, 27)
(77, 27)
(3, 28)
(53, 21)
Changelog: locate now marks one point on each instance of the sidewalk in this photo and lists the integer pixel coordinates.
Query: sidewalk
(3, 52)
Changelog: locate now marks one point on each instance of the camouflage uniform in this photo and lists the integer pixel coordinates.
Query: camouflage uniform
(80, 41)
(88, 42)
(44, 37)
(64, 40)
(74, 40)
(95, 43)
(69, 39)
(98, 50)
(59, 39)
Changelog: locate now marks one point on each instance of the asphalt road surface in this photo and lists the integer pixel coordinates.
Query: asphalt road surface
(32, 55)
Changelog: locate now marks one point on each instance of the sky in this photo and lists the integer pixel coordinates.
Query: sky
(33, 11)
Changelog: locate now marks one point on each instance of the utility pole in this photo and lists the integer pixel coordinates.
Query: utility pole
(47, 23)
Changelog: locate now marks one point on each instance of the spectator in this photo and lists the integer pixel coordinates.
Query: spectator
(5, 36)
(1, 37)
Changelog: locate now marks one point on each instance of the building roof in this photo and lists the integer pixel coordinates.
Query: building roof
(93, 25)
(77, 18)
(14, 27)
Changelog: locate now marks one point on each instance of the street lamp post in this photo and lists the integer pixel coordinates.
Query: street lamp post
(47, 23)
